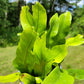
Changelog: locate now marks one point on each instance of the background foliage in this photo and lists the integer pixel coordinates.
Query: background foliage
(78, 22)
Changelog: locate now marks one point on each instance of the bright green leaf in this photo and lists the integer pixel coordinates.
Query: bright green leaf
(38, 80)
(43, 55)
(10, 78)
(52, 77)
(56, 54)
(58, 77)
(63, 30)
(27, 79)
(26, 18)
(64, 24)
(59, 52)
(54, 25)
(77, 73)
(39, 51)
(75, 41)
(47, 56)
(24, 57)
(39, 45)
(40, 17)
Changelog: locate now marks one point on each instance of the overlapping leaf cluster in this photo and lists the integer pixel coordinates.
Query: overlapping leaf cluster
(39, 48)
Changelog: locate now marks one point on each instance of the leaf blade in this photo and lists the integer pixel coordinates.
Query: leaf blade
(57, 77)
(63, 29)
(10, 78)
(75, 41)
(27, 78)
(59, 53)
(54, 25)
(24, 55)
(39, 17)
(26, 18)
(38, 50)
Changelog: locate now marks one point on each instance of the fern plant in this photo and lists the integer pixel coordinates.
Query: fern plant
(40, 49)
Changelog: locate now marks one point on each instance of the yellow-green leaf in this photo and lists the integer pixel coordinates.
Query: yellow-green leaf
(27, 79)
(24, 57)
(54, 25)
(39, 17)
(58, 77)
(10, 78)
(26, 18)
(59, 52)
(75, 41)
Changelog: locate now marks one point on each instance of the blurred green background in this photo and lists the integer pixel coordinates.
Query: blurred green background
(10, 26)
